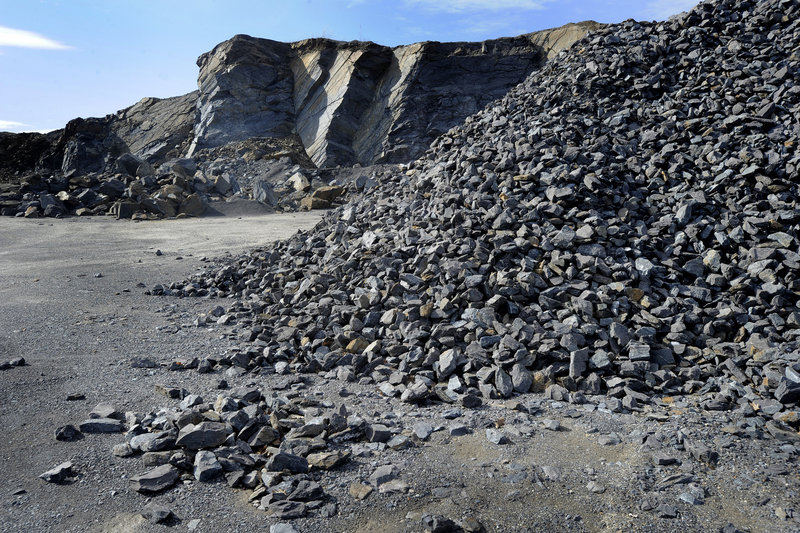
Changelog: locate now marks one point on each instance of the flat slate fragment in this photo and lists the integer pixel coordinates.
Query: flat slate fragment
(101, 425)
(156, 513)
(155, 480)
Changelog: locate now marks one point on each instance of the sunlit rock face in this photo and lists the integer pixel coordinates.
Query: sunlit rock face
(359, 102)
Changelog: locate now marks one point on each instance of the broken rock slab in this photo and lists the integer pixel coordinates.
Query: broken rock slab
(155, 480)
(58, 474)
(156, 513)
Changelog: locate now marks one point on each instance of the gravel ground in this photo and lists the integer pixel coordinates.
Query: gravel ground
(72, 303)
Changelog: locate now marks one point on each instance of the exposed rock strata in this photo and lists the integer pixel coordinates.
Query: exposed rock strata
(359, 102)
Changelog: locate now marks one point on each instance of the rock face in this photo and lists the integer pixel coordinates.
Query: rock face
(359, 102)
(355, 102)
(157, 129)
(153, 130)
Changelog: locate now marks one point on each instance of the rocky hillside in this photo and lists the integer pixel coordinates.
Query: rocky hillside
(266, 115)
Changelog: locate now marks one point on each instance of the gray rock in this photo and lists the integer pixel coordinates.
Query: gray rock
(203, 435)
(155, 480)
(122, 450)
(263, 193)
(287, 509)
(378, 433)
(595, 487)
(690, 498)
(282, 528)
(608, 440)
(521, 378)
(552, 425)
(156, 513)
(105, 410)
(666, 510)
(578, 361)
(638, 351)
(787, 392)
(58, 474)
(287, 461)
(383, 474)
(193, 205)
(551, 473)
(495, 436)
(503, 383)
(298, 182)
(458, 430)
(206, 466)
(307, 490)
(101, 425)
(68, 433)
(423, 430)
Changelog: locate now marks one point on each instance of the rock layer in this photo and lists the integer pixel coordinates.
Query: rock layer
(359, 102)
(153, 130)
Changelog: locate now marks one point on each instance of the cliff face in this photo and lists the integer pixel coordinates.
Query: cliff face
(157, 129)
(346, 102)
(153, 129)
(359, 102)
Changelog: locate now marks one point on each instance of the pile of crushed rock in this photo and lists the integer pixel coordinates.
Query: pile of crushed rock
(274, 172)
(623, 223)
(622, 229)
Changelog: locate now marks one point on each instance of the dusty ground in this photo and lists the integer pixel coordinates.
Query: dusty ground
(72, 303)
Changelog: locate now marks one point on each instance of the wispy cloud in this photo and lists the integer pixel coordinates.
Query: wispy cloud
(28, 39)
(10, 125)
(663, 9)
(19, 127)
(465, 6)
(486, 27)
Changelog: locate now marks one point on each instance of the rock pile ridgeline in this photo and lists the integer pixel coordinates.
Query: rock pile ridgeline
(625, 222)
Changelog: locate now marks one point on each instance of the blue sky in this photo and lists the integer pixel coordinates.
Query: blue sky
(61, 59)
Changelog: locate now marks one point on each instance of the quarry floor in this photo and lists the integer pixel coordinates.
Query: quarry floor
(72, 303)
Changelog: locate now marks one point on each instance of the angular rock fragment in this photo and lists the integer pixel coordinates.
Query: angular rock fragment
(68, 433)
(101, 425)
(287, 461)
(203, 435)
(156, 513)
(58, 474)
(206, 466)
(155, 480)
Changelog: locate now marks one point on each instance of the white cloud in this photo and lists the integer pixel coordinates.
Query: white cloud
(11, 125)
(487, 27)
(663, 9)
(463, 6)
(8, 124)
(28, 39)
(19, 127)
